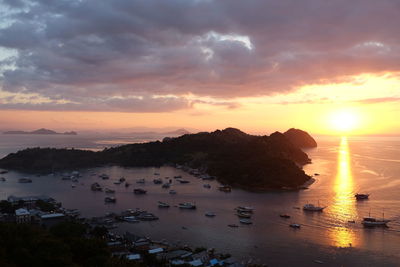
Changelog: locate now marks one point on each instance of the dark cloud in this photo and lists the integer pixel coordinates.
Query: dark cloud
(88, 50)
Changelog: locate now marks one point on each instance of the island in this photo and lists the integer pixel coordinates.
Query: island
(41, 131)
(233, 157)
(300, 138)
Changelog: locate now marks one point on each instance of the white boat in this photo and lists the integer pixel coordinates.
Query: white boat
(131, 219)
(312, 207)
(117, 182)
(245, 221)
(172, 192)
(373, 222)
(295, 225)
(210, 214)
(163, 204)
(187, 205)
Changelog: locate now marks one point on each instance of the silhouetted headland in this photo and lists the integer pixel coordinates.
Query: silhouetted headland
(232, 156)
(41, 131)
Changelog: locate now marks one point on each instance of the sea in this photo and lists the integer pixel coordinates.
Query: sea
(341, 167)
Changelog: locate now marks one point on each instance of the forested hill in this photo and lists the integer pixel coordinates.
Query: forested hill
(234, 157)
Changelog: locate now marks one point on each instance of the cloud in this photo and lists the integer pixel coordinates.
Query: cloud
(88, 53)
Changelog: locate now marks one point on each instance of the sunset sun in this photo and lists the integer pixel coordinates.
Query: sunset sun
(344, 120)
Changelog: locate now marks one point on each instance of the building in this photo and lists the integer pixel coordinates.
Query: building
(22, 216)
(51, 219)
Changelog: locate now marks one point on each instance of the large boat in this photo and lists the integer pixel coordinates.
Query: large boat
(361, 196)
(24, 180)
(373, 222)
(187, 205)
(312, 207)
(163, 204)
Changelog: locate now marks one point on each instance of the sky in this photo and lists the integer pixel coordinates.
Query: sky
(327, 67)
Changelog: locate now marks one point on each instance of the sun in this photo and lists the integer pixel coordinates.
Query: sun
(344, 120)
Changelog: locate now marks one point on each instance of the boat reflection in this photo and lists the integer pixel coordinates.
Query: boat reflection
(343, 207)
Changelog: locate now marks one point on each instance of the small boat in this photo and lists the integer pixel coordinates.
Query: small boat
(166, 185)
(245, 221)
(225, 188)
(316, 174)
(244, 209)
(117, 182)
(163, 204)
(244, 215)
(96, 187)
(182, 181)
(147, 217)
(156, 173)
(127, 184)
(2, 179)
(286, 216)
(233, 225)
(172, 192)
(312, 207)
(110, 199)
(24, 180)
(131, 219)
(208, 186)
(209, 214)
(141, 181)
(351, 221)
(295, 225)
(73, 185)
(109, 191)
(187, 205)
(122, 179)
(177, 176)
(139, 191)
(104, 176)
(157, 181)
(361, 196)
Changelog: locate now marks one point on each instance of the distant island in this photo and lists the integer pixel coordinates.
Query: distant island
(41, 131)
(232, 156)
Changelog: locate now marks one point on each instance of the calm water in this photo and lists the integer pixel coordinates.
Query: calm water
(346, 166)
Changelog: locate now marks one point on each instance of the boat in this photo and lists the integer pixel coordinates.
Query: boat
(244, 209)
(187, 205)
(141, 181)
(286, 216)
(157, 181)
(156, 173)
(210, 214)
(109, 191)
(104, 176)
(312, 207)
(233, 225)
(131, 219)
(177, 176)
(96, 187)
(182, 181)
(24, 180)
(245, 221)
(166, 185)
(172, 192)
(351, 221)
(73, 185)
(127, 184)
(373, 222)
(163, 204)
(225, 188)
(295, 225)
(122, 179)
(110, 199)
(207, 186)
(117, 182)
(361, 196)
(2, 179)
(139, 191)
(3, 172)
(243, 215)
(147, 217)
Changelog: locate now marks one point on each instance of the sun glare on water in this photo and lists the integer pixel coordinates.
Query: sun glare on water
(344, 120)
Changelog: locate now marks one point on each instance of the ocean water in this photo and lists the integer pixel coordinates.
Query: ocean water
(345, 166)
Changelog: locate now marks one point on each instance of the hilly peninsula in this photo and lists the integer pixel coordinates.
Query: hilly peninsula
(42, 131)
(232, 156)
